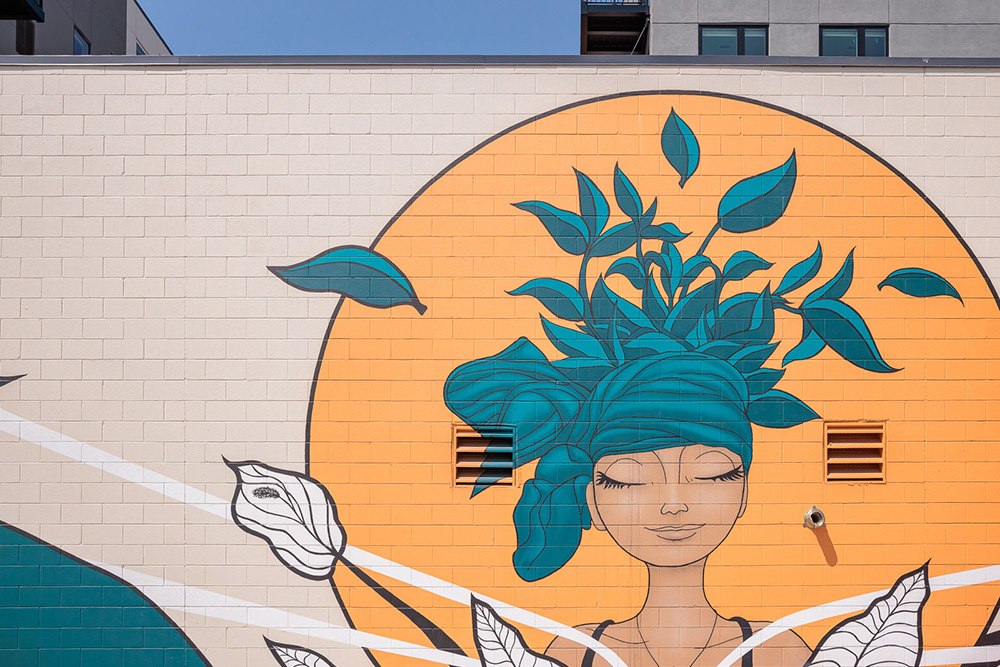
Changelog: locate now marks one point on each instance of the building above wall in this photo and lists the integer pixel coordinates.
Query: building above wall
(861, 28)
(80, 27)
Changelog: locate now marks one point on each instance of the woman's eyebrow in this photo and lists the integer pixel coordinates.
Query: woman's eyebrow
(614, 463)
(726, 457)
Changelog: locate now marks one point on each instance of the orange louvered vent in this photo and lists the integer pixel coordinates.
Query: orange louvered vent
(484, 458)
(855, 452)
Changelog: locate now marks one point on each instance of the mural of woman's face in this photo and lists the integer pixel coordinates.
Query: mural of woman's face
(668, 507)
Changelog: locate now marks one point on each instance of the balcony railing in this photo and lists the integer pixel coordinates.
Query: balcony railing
(643, 3)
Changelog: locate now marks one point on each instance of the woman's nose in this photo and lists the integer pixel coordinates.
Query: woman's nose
(673, 507)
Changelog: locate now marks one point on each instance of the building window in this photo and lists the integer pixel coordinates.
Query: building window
(139, 51)
(25, 38)
(869, 41)
(732, 40)
(81, 47)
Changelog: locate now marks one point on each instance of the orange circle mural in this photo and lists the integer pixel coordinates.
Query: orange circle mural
(903, 458)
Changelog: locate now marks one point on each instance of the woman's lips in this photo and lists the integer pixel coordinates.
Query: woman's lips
(677, 533)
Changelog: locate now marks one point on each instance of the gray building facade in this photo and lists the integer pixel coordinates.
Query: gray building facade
(916, 28)
(102, 27)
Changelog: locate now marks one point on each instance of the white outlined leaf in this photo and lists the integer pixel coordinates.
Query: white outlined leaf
(293, 513)
(500, 644)
(296, 656)
(887, 634)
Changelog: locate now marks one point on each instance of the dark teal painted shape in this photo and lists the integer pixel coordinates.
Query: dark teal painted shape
(58, 612)
(920, 282)
(355, 272)
(680, 147)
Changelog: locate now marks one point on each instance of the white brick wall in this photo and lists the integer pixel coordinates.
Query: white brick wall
(139, 210)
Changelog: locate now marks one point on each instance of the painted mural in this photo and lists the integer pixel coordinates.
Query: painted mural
(665, 297)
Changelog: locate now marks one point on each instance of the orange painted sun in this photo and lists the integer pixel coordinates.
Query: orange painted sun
(382, 437)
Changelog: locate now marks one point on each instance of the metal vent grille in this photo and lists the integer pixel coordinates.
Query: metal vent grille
(484, 458)
(855, 452)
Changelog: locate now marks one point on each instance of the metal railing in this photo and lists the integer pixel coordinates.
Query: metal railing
(644, 3)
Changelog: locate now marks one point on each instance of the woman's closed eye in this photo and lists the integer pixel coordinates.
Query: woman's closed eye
(609, 483)
(737, 473)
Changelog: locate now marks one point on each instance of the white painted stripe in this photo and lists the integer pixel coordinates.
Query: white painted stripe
(456, 593)
(192, 600)
(960, 656)
(982, 575)
(66, 446)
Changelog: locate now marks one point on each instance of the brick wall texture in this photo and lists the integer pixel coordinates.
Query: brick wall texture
(140, 207)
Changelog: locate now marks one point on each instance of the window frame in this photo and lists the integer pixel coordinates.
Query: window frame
(860, 36)
(740, 37)
(90, 47)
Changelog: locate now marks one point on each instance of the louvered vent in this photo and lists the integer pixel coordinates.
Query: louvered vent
(855, 452)
(484, 458)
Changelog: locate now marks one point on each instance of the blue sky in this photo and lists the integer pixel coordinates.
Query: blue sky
(367, 27)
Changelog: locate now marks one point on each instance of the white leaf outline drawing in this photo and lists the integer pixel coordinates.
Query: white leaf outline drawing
(293, 513)
(296, 656)
(887, 634)
(500, 644)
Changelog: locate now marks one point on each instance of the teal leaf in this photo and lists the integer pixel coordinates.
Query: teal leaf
(520, 383)
(693, 267)
(747, 318)
(631, 269)
(742, 264)
(685, 314)
(355, 272)
(654, 342)
(919, 282)
(676, 266)
(594, 207)
(801, 273)
(560, 298)
(666, 231)
(837, 286)
(627, 196)
(807, 348)
(844, 330)
(757, 202)
(653, 303)
(584, 371)
(552, 513)
(604, 303)
(720, 349)
(777, 409)
(616, 339)
(572, 342)
(7, 379)
(680, 147)
(763, 380)
(647, 218)
(616, 240)
(567, 229)
(751, 358)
